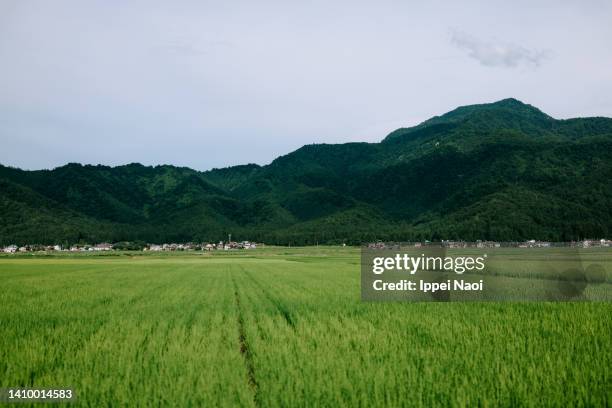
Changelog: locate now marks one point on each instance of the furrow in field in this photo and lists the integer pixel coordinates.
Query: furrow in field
(282, 309)
(244, 346)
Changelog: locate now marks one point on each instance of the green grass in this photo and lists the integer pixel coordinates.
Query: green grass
(283, 327)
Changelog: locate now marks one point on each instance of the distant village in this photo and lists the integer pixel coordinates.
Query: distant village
(587, 243)
(242, 245)
(190, 246)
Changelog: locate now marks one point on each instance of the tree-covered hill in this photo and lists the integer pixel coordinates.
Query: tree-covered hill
(503, 171)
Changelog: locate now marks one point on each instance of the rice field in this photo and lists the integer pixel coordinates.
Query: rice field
(283, 327)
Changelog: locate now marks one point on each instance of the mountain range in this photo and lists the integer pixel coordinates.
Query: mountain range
(500, 171)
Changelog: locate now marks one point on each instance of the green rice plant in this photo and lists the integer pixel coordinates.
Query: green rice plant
(284, 327)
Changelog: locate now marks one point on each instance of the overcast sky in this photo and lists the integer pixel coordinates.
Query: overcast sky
(211, 84)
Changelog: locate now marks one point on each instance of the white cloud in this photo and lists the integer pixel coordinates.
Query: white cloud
(207, 84)
(497, 53)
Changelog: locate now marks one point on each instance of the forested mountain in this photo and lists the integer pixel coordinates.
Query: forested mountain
(503, 171)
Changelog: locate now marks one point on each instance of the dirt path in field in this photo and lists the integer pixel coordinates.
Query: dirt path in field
(245, 351)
